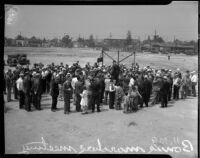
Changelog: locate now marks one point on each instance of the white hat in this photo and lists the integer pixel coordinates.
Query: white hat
(157, 75)
(57, 75)
(34, 73)
(145, 76)
(60, 73)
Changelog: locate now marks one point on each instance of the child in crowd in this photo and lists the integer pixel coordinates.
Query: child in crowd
(84, 100)
(112, 94)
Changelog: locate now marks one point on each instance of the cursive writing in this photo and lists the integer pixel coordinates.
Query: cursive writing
(43, 146)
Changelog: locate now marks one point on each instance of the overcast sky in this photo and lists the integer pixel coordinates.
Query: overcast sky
(179, 19)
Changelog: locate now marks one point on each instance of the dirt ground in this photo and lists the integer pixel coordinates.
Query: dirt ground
(147, 130)
(170, 126)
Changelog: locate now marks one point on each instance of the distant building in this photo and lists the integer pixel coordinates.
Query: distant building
(77, 44)
(46, 44)
(173, 48)
(22, 42)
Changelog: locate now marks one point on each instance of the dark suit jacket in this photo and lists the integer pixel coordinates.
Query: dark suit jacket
(54, 88)
(147, 87)
(95, 87)
(165, 86)
(78, 87)
(27, 85)
(37, 85)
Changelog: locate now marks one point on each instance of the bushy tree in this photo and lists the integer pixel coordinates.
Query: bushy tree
(66, 41)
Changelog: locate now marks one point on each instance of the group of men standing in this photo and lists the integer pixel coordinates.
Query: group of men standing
(68, 82)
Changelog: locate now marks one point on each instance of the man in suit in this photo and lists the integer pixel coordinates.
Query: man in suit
(9, 84)
(164, 91)
(147, 90)
(37, 91)
(115, 70)
(14, 79)
(156, 89)
(78, 91)
(27, 91)
(54, 92)
(67, 88)
(95, 88)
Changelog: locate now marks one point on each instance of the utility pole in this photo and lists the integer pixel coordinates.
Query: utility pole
(118, 57)
(102, 56)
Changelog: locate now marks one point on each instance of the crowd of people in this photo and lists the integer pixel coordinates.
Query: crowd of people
(118, 86)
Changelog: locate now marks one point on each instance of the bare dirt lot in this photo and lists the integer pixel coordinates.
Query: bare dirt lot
(150, 130)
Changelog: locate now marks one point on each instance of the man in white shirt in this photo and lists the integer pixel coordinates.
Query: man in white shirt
(194, 82)
(74, 80)
(20, 87)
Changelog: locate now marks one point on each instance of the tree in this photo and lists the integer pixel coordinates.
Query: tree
(19, 37)
(8, 41)
(66, 41)
(128, 38)
(81, 41)
(160, 40)
(91, 42)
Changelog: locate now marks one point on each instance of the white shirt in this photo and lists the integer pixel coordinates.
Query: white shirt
(132, 82)
(74, 80)
(20, 85)
(112, 88)
(43, 74)
(194, 78)
(107, 84)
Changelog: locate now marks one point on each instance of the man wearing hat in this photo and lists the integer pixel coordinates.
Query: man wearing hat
(164, 91)
(54, 92)
(176, 86)
(67, 93)
(20, 87)
(37, 91)
(156, 89)
(115, 70)
(95, 89)
(147, 90)
(9, 84)
(14, 79)
(27, 91)
(78, 91)
(194, 83)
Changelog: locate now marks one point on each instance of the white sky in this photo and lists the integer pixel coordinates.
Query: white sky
(179, 19)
